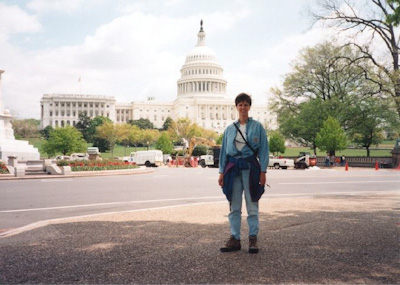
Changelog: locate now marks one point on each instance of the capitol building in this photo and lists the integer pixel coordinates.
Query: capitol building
(201, 98)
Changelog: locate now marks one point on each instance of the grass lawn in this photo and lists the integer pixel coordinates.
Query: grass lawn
(120, 151)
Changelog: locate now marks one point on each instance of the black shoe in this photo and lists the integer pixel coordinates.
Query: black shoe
(231, 245)
(253, 248)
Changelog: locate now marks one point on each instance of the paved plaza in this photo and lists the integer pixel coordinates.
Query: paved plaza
(319, 239)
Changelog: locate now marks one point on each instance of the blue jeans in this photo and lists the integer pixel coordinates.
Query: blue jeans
(240, 184)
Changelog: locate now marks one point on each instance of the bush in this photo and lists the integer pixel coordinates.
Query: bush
(63, 162)
(3, 168)
(199, 150)
(89, 165)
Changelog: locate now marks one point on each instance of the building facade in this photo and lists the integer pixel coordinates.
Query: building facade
(201, 97)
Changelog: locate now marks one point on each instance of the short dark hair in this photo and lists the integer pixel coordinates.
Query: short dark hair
(243, 97)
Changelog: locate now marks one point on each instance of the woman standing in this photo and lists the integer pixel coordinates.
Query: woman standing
(242, 166)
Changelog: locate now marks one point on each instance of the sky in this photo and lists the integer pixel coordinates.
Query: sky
(134, 49)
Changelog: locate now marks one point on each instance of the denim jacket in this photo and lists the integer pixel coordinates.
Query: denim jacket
(255, 136)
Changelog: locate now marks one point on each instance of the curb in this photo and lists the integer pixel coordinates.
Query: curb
(140, 170)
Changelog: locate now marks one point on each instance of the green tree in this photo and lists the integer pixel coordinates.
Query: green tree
(134, 135)
(148, 137)
(167, 123)
(164, 143)
(369, 119)
(365, 23)
(112, 133)
(46, 132)
(142, 123)
(394, 17)
(92, 127)
(83, 125)
(199, 150)
(325, 72)
(64, 140)
(302, 126)
(27, 128)
(123, 140)
(101, 143)
(325, 81)
(208, 134)
(219, 139)
(184, 129)
(331, 137)
(91, 132)
(276, 142)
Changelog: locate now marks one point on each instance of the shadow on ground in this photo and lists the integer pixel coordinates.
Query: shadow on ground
(296, 247)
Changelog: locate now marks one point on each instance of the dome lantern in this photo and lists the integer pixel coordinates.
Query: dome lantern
(201, 36)
(201, 75)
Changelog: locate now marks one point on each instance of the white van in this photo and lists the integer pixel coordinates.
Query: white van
(130, 158)
(149, 157)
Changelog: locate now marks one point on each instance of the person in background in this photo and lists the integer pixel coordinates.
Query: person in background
(332, 160)
(342, 160)
(242, 168)
(327, 160)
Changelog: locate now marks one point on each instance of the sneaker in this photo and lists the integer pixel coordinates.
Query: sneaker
(253, 248)
(231, 245)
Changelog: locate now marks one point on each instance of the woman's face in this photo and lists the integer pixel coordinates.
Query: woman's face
(243, 108)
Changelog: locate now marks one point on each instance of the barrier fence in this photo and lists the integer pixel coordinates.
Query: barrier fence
(357, 161)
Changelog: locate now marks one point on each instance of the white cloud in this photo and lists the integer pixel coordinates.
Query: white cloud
(131, 57)
(15, 20)
(48, 6)
(140, 53)
(268, 68)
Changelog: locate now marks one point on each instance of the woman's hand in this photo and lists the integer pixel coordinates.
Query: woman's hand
(263, 178)
(221, 180)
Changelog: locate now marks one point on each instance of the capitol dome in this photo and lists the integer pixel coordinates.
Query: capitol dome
(201, 53)
(201, 75)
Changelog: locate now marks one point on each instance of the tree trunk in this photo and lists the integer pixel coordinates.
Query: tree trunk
(397, 96)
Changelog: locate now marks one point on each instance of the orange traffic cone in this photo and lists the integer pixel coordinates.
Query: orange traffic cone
(376, 165)
(346, 166)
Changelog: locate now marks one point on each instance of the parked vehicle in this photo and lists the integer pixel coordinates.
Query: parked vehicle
(203, 158)
(130, 158)
(79, 156)
(62, 157)
(211, 159)
(305, 160)
(147, 157)
(277, 163)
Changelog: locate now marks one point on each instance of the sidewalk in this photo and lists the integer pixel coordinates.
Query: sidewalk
(323, 239)
(141, 169)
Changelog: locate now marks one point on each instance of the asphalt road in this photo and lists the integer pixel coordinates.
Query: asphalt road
(316, 227)
(23, 202)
